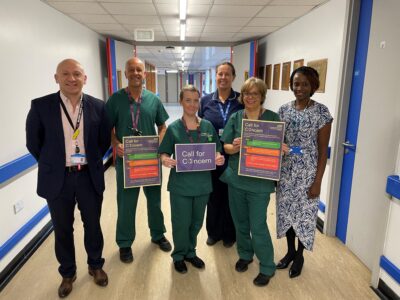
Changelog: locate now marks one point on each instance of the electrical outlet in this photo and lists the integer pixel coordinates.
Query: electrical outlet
(18, 206)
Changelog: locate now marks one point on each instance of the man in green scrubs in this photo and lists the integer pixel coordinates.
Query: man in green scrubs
(136, 111)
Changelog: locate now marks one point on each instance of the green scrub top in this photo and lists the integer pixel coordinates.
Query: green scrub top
(152, 112)
(233, 129)
(188, 183)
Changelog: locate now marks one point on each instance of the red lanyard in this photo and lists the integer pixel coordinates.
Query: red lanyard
(188, 133)
(135, 120)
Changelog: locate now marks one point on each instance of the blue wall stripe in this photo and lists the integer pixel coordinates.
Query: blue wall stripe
(390, 268)
(252, 52)
(321, 206)
(7, 172)
(113, 65)
(15, 167)
(23, 231)
(393, 186)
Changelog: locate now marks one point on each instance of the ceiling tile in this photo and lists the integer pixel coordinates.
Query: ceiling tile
(284, 11)
(127, 1)
(78, 7)
(130, 9)
(234, 11)
(132, 28)
(167, 1)
(242, 2)
(195, 10)
(105, 26)
(194, 29)
(210, 29)
(195, 21)
(140, 20)
(209, 2)
(171, 27)
(270, 21)
(168, 9)
(261, 30)
(170, 20)
(297, 2)
(88, 19)
(227, 21)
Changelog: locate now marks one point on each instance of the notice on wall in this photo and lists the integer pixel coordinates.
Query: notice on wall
(141, 161)
(195, 157)
(261, 149)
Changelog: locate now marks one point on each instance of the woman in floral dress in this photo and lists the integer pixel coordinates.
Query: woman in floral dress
(308, 128)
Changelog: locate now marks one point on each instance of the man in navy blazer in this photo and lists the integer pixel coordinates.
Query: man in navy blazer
(68, 133)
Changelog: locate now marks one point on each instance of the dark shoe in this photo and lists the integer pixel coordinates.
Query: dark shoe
(180, 266)
(261, 279)
(65, 287)
(100, 277)
(125, 255)
(196, 262)
(228, 244)
(297, 266)
(210, 241)
(242, 265)
(163, 244)
(285, 262)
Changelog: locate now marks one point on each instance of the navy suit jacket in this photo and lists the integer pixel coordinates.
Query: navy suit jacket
(45, 141)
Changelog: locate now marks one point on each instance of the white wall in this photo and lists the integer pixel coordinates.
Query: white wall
(377, 145)
(241, 61)
(173, 83)
(310, 37)
(161, 86)
(34, 39)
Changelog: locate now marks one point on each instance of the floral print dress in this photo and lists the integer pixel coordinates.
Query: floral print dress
(294, 208)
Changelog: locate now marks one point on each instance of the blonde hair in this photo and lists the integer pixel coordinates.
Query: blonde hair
(188, 88)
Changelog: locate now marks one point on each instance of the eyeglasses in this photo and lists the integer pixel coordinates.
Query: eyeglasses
(253, 95)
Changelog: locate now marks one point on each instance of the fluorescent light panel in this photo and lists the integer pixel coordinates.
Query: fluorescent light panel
(183, 31)
(182, 9)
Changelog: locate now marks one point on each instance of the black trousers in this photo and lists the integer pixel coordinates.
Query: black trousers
(77, 189)
(219, 221)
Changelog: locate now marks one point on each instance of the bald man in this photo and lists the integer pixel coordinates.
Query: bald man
(68, 133)
(136, 111)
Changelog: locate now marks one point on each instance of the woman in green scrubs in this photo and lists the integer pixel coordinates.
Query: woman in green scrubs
(189, 191)
(249, 196)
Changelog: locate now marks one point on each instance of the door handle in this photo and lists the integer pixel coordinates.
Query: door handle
(348, 145)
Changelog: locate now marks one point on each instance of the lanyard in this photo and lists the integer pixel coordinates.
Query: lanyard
(188, 133)
(224, 114)
(135, 120)
(78, 120)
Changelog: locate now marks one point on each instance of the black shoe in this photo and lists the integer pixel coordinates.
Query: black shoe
(228, 244)
(297, 266)
(196, 262)
(285, 261)
(242, 265)
(210, 241)
(261, 279)
(180, 266)
(164, 244)
(125, 255)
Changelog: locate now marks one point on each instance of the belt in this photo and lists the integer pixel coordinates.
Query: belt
(79, 168)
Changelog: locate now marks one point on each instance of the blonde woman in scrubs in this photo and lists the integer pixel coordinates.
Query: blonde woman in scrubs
(189, 191)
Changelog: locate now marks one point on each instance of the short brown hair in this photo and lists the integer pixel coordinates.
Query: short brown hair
(188, 88)
(258, 84)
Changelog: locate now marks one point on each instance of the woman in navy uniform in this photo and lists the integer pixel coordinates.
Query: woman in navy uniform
(189, 191)
(217, 107)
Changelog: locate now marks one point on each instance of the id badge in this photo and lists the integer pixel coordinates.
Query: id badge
(78, 159)
(220, 132)
(296, 150)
